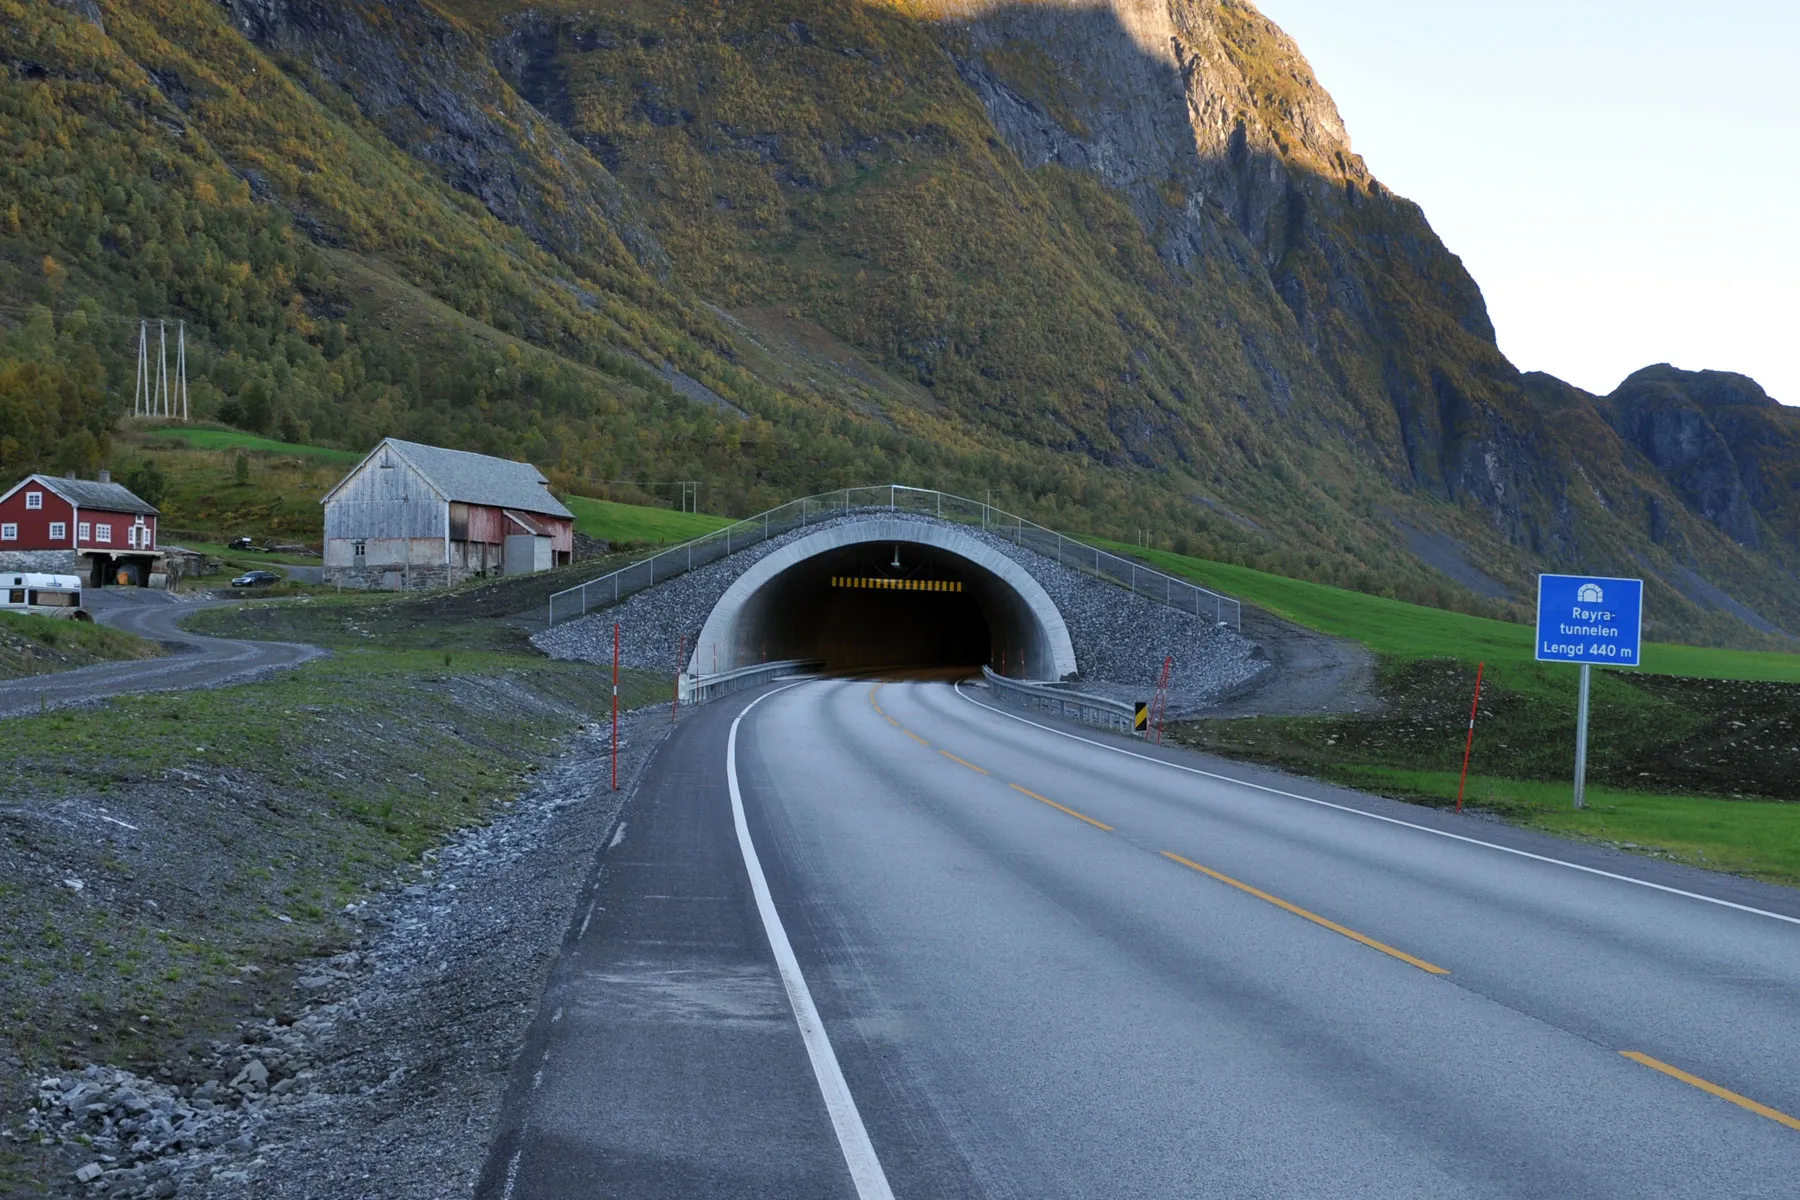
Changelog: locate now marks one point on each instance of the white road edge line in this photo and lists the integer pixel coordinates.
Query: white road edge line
(859, 1154)
(1455, 837)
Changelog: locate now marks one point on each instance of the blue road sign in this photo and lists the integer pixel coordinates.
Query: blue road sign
(1589, 619)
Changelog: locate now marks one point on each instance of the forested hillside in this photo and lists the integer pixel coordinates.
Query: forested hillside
(1117, 263)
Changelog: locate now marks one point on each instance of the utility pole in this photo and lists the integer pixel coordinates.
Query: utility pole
(153, 392)
(140, 391)
(181, 367)
(162, 369)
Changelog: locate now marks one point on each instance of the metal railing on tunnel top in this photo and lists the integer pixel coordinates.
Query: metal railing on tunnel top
(1055, 702)
(1141, 580)
(698, 689)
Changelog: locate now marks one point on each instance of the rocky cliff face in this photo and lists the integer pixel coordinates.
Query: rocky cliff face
(1118, 255)
(1729, 451)
(431, 89)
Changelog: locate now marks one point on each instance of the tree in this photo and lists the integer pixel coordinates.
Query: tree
(147, 481)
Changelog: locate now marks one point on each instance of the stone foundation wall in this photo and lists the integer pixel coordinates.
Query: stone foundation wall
(388, 577)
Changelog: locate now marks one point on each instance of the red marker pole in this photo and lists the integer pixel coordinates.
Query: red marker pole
(1470, 744)
(615, 748)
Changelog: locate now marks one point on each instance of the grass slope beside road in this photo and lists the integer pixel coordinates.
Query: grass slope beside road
(37, 645)
(1409, 631)
(1695, 757)
(177, 856)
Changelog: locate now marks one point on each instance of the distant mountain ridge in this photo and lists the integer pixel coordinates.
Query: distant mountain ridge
(1116, 259)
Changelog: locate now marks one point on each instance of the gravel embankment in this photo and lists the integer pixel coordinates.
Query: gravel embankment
(381, 1076)
(1120, 639)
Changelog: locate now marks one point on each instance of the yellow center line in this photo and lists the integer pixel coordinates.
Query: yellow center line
(1315, 918)
(891, 721)
(877, 703)
(1761, 1110)
(915, 737)
(1060, 808)
(965, 762)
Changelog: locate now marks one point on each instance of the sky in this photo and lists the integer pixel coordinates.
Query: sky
(1621, 177)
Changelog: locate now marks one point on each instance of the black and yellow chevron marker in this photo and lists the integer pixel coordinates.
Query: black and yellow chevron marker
(1140, 720)
(883, 583)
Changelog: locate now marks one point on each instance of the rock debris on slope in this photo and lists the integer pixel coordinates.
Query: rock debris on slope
(1120, 639)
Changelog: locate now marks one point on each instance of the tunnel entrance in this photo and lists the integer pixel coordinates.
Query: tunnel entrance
(887, 594)
(873, 607)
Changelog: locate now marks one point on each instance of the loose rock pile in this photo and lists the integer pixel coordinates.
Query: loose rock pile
(150, 1139)
(1120, 639)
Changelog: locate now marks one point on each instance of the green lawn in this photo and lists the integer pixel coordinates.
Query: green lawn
(1757, 838)
(627, 523)
(231, 439)
(1408, 631)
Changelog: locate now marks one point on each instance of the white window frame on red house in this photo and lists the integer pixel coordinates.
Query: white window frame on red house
(59, 530)
(34, 500)
(103, 534)
(84, 531)
(9, 532)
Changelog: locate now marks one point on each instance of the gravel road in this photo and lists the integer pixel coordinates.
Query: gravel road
(194, 661)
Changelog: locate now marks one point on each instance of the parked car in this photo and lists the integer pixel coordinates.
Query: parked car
(242, 543)
(256, 579)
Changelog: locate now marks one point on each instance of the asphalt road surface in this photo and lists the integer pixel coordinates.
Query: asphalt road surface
(194, 661)
(997, 959)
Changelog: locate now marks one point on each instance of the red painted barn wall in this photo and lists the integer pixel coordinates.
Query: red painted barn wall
(34, 525)
(562, 531)
(487, 524)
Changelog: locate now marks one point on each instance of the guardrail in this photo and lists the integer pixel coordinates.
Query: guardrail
(1075, 706)
(1147, 582)
(698, 689)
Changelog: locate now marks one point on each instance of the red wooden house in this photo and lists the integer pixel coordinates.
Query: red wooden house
(91, 527)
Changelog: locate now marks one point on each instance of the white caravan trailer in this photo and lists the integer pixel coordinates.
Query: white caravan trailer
(46, 595)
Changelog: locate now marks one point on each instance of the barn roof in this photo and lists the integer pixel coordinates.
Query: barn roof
(91, 493)
(466, 478)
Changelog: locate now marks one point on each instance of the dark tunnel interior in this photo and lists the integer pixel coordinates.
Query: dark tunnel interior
(856, 610)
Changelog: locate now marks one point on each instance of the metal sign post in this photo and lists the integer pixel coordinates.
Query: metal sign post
(1587, 619)
(1581, 723)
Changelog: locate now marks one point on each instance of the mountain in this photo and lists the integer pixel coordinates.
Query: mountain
(1116, 261)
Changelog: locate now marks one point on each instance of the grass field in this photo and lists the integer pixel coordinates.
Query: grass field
(1757, 839)
(200, 438)
(626, 524)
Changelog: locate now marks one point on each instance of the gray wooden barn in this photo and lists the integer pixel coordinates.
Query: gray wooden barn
(413, 516)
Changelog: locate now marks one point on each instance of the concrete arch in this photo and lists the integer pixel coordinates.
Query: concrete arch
(746, 626)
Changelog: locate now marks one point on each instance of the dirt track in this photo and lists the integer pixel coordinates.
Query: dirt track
(1311, 674)
(195, 661)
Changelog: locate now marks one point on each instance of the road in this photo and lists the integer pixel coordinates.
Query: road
(1045, 967)
(195, 660)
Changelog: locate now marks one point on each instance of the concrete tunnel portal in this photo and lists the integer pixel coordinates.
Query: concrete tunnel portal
(887, 594)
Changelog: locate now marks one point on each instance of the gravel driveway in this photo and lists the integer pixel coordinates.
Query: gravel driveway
(195, 661)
